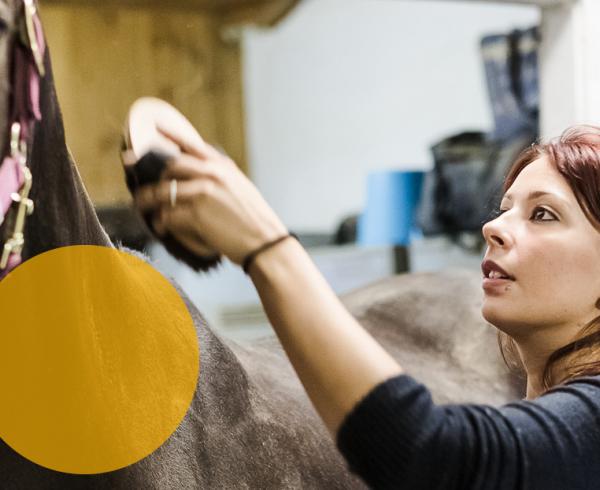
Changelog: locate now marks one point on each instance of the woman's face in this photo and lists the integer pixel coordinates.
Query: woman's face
(546, 243)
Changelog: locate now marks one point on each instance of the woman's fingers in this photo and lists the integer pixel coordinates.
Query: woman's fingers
(128, 157)
(179, 222)
(196, 147)
(207, 164)
(209, 205)
(192, 176)
(147, 197)
(159, 222)
(195, 244)
(151, 197)
(187, 167)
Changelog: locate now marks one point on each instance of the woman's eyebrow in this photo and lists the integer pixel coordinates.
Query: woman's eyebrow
(535, 194)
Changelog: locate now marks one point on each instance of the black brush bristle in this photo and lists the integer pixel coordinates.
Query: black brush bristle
(147, 170)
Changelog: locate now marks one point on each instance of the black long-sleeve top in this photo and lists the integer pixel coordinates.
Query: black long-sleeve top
(396, 437)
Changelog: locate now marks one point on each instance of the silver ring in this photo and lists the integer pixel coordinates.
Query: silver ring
(173, 192)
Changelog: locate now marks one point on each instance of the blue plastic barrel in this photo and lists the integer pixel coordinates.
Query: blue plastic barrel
(389, 214)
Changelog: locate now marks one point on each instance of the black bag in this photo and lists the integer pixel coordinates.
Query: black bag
(464, 187)
(448, 203)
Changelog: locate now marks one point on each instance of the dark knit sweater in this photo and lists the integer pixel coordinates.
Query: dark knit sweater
(398, 438)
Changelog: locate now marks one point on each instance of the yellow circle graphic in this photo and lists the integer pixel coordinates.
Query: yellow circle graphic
(99, 359)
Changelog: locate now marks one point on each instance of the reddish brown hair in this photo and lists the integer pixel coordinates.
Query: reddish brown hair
(576, 156)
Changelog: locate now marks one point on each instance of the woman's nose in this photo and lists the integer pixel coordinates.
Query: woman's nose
(495, 234)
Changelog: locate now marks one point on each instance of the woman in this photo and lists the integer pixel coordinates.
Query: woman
(541, 290)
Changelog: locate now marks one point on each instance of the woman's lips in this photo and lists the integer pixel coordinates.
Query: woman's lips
(496, 284)
(490, 268)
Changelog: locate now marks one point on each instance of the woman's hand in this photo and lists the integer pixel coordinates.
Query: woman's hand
(217, 207)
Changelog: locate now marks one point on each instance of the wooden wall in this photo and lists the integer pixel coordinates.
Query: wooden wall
(105, 57)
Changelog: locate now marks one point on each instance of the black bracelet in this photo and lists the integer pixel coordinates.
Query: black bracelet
(247, 262)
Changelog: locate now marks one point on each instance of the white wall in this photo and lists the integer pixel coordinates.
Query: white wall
(342, 87)
(570, 66)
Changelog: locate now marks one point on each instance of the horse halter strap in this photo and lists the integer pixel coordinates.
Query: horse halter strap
(27, 70)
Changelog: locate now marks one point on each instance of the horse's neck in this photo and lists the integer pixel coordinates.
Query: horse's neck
(64, 214)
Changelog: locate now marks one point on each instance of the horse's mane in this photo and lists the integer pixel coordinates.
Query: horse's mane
(64, 214)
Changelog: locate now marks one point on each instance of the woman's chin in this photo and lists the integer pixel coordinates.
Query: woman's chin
(504, 319)
(493, 312)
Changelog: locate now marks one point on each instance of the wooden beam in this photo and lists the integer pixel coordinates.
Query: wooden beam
(250, 11)
(266, 13)
(170, 5)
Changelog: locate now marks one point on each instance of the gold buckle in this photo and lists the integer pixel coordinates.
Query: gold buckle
(30, 12)
(17, 241)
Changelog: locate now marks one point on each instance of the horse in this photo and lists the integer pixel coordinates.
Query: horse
(250, 423)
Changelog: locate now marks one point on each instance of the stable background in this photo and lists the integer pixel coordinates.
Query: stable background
(307, 97)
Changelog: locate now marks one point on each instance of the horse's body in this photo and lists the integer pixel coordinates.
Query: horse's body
(250, 424)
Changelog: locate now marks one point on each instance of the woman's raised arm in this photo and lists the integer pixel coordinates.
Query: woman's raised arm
(337, 361)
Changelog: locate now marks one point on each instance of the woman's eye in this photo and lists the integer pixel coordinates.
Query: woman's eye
(542, 214)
